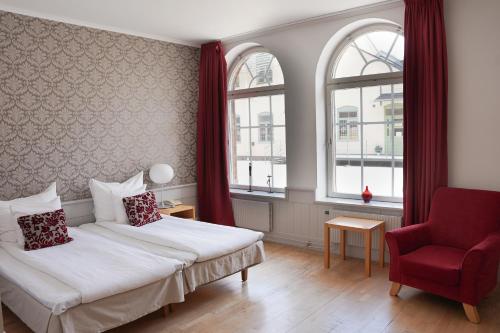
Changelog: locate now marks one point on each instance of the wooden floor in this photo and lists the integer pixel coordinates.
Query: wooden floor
(291, 292)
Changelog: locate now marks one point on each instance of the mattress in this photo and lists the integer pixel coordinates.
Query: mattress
(51, 293)
(97, 316)
(206, 240)
(195, 273)
(47, 304)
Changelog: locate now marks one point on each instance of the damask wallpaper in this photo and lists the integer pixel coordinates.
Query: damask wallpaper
(79, 103)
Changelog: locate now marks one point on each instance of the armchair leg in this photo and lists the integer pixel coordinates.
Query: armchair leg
(395, 288)
(471, 313)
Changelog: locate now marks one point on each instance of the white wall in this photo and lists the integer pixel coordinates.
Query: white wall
(298, 219)
(474, 106)
(298, 49)
(473, 29)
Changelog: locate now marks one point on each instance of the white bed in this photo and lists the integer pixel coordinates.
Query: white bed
(91, 284)
(209, 252)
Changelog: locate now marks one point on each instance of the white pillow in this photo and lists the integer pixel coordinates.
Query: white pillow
(29, 208)
(118, 207)
(103, 197)
(9, 231)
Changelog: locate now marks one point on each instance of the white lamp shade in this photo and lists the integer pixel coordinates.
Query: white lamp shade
(161, 173)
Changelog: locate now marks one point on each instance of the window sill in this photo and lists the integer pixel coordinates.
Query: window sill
(237, 193)
(382, 207)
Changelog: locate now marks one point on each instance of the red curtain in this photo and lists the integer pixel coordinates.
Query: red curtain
(214, 202)
(425, 166)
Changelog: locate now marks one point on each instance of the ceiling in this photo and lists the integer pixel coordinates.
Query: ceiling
(189, 22)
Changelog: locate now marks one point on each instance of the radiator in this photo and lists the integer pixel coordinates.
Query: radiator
(255, 215)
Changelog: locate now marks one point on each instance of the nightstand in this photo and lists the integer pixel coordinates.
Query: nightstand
(182, 211)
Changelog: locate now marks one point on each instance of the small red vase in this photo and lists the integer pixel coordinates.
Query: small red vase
(366, 195)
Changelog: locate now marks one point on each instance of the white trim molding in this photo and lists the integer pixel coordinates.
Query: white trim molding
(388, 4)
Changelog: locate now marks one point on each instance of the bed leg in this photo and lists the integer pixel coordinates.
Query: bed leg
(168, 309)
(244, 274)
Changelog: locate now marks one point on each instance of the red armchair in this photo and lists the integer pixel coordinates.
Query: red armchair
(455, 254)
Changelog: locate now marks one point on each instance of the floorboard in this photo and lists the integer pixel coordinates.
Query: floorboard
(292, 292)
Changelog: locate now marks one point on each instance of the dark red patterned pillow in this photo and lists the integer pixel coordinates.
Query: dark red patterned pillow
(141, 209)
(44, 230)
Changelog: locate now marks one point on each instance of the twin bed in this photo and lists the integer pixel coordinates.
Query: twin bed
(111, 274)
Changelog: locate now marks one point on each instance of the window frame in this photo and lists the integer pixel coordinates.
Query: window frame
(361, 81)
(278, 89)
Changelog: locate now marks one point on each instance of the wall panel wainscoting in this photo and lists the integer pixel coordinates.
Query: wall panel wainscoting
(298, 220)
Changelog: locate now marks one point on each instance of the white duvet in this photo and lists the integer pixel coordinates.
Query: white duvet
(96, 267)
(187, 258)
(207, 241)
(52, 293)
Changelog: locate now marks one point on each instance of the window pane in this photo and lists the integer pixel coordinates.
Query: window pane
(275, 76)
(377, 104)
(347, 176)
(240, 111)
(259, 106)
(279, 142)
(241, 173)
(376, 142)
(347, 116)
(240, 157)
(371, 53)
(243, 78)
(398, 179)
(398, 49)
(261, 157)
(398, 141)
(350, 64)
(278, 107)
(260, 69)
(376, 67)
(377, 175)
(279, 175)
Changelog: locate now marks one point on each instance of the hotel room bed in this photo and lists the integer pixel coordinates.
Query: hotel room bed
(217, 261)
(47, 304)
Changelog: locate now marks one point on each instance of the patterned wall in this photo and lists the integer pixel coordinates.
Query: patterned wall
(77, 103)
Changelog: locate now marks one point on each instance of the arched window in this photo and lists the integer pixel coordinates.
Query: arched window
(365, 115)
(256, 99)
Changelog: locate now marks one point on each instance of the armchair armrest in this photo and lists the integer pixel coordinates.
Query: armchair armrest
(405, 240)
(408, 239)
(479, 269)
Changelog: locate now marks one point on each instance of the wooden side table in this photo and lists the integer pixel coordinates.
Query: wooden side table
(182, 211)
(364, 226)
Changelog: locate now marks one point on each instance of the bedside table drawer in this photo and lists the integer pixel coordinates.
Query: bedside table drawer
(182, 211)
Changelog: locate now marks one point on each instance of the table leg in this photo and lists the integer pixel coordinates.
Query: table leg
(342, 244)
(381, 246)
(368, 253)
(326, 246)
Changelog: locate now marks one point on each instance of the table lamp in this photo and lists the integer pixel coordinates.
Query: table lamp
(161, 174)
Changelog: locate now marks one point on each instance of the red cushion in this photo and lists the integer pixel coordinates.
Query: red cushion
(141, 209)
(44, 230)
(434, 263)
